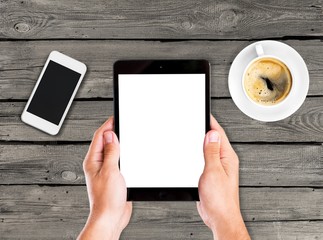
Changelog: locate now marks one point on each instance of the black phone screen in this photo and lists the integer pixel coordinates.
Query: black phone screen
(54, 92)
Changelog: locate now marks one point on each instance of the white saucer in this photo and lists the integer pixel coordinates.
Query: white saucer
(290, 104)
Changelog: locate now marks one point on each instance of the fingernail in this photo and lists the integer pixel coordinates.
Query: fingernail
(213, 137)
(109, 137)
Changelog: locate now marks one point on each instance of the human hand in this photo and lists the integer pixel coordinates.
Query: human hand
(219, 205)
(109, 210)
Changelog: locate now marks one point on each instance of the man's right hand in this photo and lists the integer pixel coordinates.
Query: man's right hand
(219, 205)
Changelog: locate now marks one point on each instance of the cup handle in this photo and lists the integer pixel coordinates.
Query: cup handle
(259, 50)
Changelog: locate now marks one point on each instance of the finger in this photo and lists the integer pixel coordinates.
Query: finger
(94, 157)
(111, 151)
(229, 159)
(97, 141)
(212, 151)
(226, 148)
(216, 126)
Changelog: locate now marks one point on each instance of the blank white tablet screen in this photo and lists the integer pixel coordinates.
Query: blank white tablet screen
(161, 129)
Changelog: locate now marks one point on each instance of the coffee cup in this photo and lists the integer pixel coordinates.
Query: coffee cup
(267, 80)
(288, 103)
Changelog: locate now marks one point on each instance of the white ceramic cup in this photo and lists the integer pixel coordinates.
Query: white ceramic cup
(260, 55)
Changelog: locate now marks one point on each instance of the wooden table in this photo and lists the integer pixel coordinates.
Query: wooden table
(42, 187)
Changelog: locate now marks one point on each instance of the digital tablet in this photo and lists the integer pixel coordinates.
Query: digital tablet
(162, 113)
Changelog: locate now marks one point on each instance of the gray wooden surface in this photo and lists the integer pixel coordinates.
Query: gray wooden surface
(42, 187)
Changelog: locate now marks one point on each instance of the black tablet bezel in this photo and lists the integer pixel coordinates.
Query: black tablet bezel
(161, 67)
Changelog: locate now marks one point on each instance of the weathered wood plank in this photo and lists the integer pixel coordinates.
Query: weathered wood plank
(260, 165)
(19, 69)
(280, 165)
(39, 164)
(70, 203)
(285, 230)
(306, 125)
(306, 230)
(163, 19)
(62, 211)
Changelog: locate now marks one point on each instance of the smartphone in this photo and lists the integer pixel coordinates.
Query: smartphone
(53, 93)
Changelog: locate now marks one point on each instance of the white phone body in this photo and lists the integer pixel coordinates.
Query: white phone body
(78, 70)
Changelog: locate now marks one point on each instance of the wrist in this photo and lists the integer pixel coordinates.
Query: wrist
(230, 228)
(98, 227)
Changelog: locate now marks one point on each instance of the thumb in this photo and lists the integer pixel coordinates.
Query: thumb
(111, 151)
(212, 151)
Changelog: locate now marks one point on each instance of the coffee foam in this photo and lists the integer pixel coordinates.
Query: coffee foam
(267, 81)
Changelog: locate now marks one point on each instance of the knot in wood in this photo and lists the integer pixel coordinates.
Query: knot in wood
(187, 25)
(228, 16)
(22, 27)
(69, 175)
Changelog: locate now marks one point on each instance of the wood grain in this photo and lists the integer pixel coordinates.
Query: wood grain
(42, 164)
(65, 209)
(163, 19)
(45, 203)
(308, 230)
(21, 62)
(306, 125)
(260, 165)
(285, 230)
